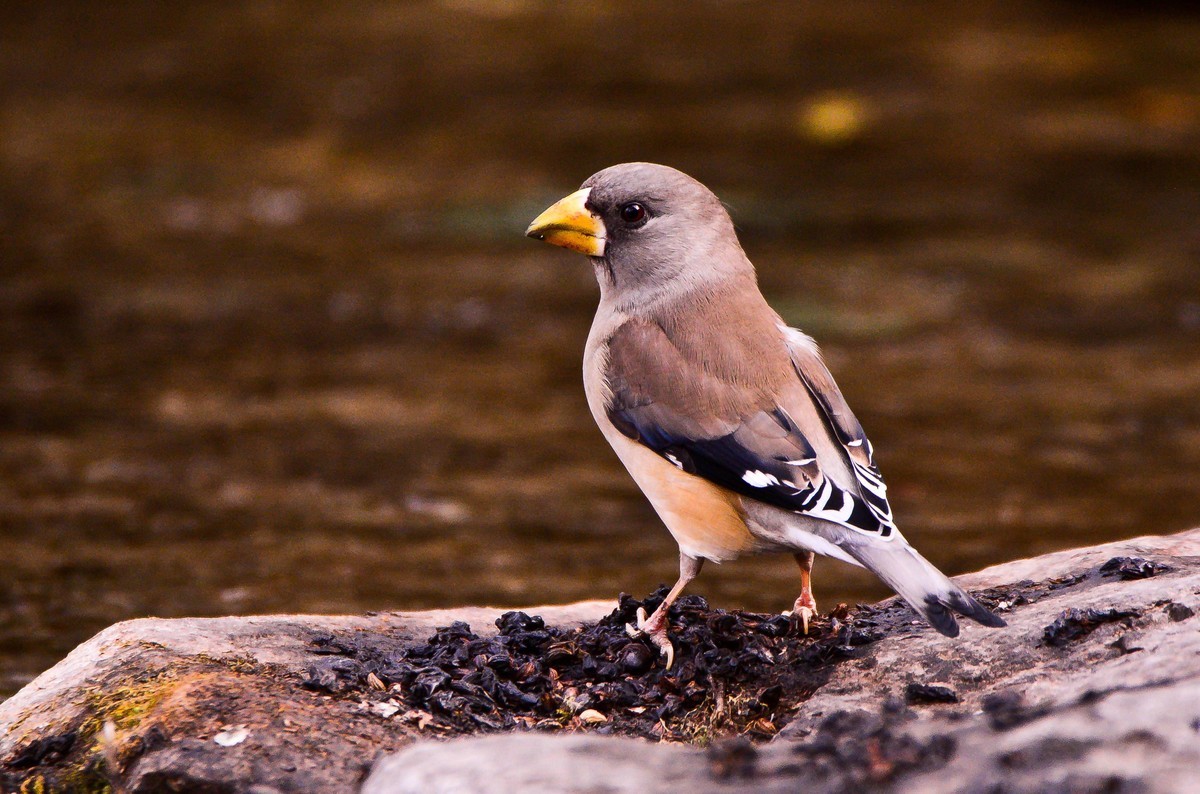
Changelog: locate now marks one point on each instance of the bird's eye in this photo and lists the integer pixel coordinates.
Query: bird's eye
(633, 213)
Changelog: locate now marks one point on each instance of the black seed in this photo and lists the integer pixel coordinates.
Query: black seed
(512, 622)
(1075, 624)
(636, 658)
(777, 626)
(1132, 568)
(929, 693)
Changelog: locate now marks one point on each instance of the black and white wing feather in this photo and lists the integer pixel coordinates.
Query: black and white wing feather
(735, 436)
(807, 361)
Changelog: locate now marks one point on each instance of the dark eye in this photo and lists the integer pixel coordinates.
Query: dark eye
(633, 213)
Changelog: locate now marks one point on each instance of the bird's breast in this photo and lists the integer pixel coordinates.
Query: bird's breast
(706, 521)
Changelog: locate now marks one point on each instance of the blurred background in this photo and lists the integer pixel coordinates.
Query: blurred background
(271, 338)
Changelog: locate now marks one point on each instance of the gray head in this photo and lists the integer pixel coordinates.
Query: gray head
(648, 229)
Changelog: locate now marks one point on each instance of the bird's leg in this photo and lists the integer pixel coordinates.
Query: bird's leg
(805, 607)
(655, 626)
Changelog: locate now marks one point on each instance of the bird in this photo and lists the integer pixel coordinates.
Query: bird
(727, 418)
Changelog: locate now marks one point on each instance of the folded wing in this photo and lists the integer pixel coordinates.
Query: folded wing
(735, 434)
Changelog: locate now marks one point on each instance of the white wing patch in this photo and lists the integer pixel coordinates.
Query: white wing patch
(760, 479)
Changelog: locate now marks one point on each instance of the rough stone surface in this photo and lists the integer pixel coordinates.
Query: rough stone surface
(530, 762)
(169, 687)
(1095, 686)
(1117, 709)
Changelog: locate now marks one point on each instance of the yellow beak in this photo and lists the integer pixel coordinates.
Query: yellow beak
(570, 224)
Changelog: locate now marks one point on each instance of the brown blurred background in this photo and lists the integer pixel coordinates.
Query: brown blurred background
(271, 338)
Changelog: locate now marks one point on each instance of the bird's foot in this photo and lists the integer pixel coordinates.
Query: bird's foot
(803, 611)
(654, 627)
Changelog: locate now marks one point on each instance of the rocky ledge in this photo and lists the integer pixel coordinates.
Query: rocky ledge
(1094, 686)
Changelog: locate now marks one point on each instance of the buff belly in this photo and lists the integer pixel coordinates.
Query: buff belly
(706, 521)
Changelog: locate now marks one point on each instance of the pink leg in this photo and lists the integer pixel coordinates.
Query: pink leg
(655, 626)
(806, 606)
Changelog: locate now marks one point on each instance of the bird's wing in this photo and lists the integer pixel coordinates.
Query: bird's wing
(807, 361)
(733, 434)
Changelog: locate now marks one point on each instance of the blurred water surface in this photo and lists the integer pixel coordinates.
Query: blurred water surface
(271, 339)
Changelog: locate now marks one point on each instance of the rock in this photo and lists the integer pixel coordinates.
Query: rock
(1115, 707)
(1095, 685)
(1033, 716)
(535, 763)
(170, 687)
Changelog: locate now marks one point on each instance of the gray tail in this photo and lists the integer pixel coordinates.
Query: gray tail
(924, 587)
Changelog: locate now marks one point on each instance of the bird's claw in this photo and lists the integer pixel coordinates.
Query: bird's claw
(656, 633)
(640, 629)
(805, 615)
(665, 648)
(804, 610)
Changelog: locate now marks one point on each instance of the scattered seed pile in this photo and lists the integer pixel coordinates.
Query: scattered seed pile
(734, 672)
(731, 672)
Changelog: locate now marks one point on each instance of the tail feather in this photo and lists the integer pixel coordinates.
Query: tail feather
(923, 586)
